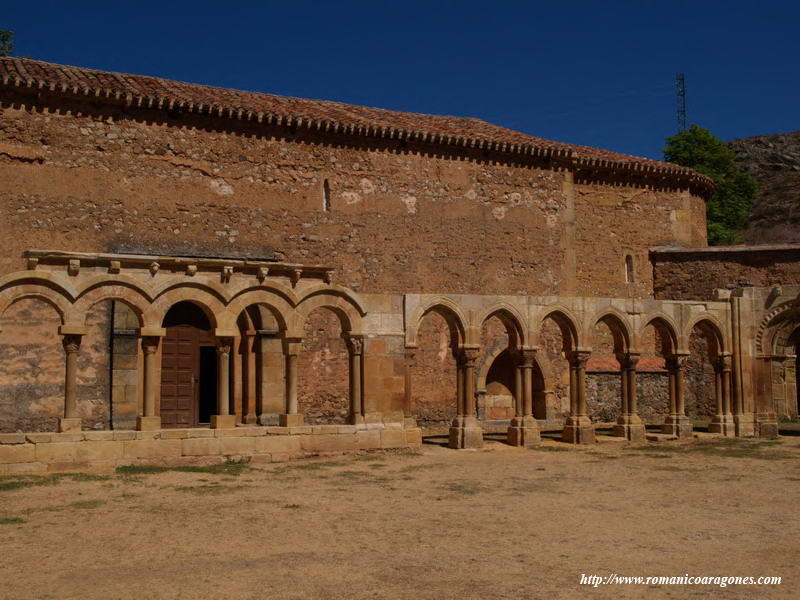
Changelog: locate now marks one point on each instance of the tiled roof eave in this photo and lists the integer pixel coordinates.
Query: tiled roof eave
(642, 167)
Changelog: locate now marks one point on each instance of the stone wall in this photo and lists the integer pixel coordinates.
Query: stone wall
(696, 274)
(401, 218)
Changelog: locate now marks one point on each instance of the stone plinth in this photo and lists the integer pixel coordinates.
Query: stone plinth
(631, 428)
(223, 421)
(148, 423)
(524, 432)
(69, 425)
(466, 433)
(578, 430)
(679, 426)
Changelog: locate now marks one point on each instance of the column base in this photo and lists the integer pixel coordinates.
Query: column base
(466, 433)
(578, 430)
(358, 420)
(290, 420)
(148, 423)
(631, 428)
(250, 420)
(744, 425)
(70, 425)
(723, 425)
(409, 422)
(678, 425)
(767, 425)
(223, 421)
(524, 432)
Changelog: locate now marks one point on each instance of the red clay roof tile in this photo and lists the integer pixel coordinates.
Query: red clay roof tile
(323, 114)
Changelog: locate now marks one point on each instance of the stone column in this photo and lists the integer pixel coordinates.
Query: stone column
(519, 390)
(250, 341)
(70, 421)
(629, 425)
(223, 419)
(466, 431)
(722, 422)
(676, 422)
(150, 421)
(292, 417)
(578, 428)
(524, 428)
(355, 346)
(408, 416)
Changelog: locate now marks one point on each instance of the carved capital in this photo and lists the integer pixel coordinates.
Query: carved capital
(526, 357)
(355, 344)
(411, 354)
(224, 346)
(469, 357)
(71, 343)
(629, 361)
(578, 358)
(724, 362)
(677, 362)
(150, 344)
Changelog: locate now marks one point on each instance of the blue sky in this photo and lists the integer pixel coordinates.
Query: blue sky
(594, 73)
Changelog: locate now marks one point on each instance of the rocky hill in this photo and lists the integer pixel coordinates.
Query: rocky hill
(774, 161)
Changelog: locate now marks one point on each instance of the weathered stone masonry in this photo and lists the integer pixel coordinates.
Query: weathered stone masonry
(472, 276)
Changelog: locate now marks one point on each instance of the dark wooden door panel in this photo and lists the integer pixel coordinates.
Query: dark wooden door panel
(179, 371)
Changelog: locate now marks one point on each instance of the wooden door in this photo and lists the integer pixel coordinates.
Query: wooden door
(180, 364)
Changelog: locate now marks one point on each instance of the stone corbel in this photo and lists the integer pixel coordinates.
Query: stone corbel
(327, 277)
(227, 272)
(74, 267)
(295, 276)
(33, 262)
(262, 273)
(114, 267)
(154, 267)
(191, 270)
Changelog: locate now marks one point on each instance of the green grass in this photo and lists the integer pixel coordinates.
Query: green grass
(87, 504)
(550, 448)
(16, 482)
(463, 488)
(210, 489)
(722, 447)
(370, 457)
(231, 467)
(315, 466)
(11, 521)
(291, 506)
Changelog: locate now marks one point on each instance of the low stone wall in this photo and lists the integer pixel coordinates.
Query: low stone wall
(35, 452)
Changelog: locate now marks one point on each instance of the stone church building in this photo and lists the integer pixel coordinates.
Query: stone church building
(191, 273)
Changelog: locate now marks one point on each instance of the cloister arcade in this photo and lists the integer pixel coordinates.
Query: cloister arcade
(219, 343)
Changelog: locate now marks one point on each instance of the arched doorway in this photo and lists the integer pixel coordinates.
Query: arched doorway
(188, 368)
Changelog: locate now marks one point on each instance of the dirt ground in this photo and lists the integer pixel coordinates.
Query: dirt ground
(500, 522)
